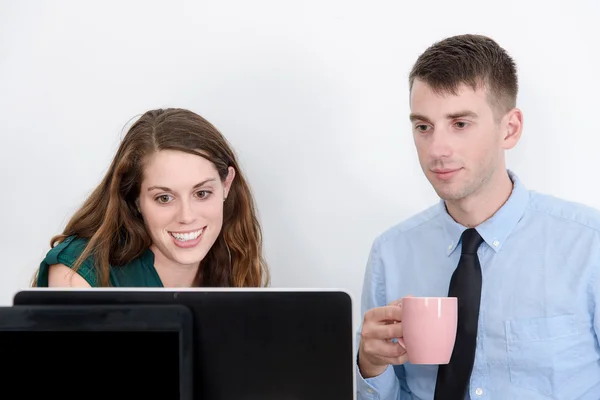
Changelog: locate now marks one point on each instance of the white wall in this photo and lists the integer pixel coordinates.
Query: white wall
(312, 94)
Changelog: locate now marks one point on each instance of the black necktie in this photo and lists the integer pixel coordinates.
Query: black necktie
(453, 378)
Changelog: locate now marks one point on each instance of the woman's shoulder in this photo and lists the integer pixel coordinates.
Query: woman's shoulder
(67, 252)
(137, 272)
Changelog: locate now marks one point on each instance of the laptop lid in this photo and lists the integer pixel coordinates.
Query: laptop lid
(256, 343)
(100, 351)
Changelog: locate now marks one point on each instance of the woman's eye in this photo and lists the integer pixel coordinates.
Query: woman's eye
(165, 198)
(202, 194)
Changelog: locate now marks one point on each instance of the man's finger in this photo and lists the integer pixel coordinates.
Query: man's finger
(382, 332)
(384, 349)
(397, 302)
(384, 314)
(395, 360)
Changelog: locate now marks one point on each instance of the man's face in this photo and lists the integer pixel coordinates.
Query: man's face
(458, 141)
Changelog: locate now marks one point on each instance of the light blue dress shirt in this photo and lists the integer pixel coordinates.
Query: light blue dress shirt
(539, 322)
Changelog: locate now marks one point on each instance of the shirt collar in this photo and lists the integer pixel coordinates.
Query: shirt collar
(496, 229)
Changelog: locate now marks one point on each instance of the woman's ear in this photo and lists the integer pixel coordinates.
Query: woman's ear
(228, 182)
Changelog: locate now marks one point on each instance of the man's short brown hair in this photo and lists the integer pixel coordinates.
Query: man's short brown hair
(473, 60)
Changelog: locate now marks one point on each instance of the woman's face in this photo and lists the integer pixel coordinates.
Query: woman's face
(181, 201)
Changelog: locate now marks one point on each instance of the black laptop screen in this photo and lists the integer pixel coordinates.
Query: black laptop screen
(116, 364)
(112, 352)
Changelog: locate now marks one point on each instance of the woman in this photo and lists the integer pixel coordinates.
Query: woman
(173, 210)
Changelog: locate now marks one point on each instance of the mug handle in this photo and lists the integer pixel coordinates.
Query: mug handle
(400, 341)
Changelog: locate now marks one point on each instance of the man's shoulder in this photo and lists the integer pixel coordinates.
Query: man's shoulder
(569, 211)
(401, 229)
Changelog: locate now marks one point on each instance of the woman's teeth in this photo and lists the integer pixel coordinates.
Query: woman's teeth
(184, 237)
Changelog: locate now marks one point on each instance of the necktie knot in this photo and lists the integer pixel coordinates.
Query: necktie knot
(471, 241)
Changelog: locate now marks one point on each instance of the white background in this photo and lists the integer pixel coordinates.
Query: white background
(313, 96)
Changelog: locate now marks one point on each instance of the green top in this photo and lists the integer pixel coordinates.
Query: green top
(138, 273)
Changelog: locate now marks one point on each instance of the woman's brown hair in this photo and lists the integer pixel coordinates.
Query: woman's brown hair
(115, 230)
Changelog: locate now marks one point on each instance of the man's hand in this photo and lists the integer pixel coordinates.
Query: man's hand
(377, 349)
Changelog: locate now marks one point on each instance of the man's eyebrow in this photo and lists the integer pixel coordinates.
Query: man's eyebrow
(462, 114)
(418, 117)
(459, 114)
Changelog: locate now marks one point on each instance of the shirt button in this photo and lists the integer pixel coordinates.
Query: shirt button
(496, 243)
(479, 391)
(450, 246)
(370, 390)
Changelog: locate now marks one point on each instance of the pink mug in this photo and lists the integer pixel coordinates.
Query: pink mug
(429, 328)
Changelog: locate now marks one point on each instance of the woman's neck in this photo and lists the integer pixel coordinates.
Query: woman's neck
(173, 274)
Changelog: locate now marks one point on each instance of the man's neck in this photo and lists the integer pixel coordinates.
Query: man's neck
(479, 207)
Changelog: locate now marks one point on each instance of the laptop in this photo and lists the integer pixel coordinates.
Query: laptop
(255, 343)
(101, 351)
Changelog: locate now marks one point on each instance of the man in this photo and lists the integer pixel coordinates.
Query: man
(529, 294)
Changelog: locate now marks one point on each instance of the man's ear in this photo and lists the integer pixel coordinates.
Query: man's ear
(512, 127)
